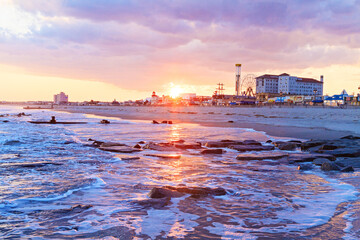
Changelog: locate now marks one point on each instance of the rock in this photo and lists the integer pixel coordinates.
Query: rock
(329, 166)
(68, 142)
(246, 148)
(308, 157)
(156, 203)
(354, 162)
(328, 147)
(171, 156)
(79, 208)
(141, 142)
(137, 146)
(164, 122)
(347, 169)
(230, 121)
(29, 165)
(320, 161)
(344, 152)
(161, 146)
(305, 167)
(170, 122)
(200, 191)
(5, 121)
(269, 141)
(120, 149)
(350, 137)
(261, 156)
(222, 143)
(129, 158)
(311, 144)
(213, 151)
(12, 142)
(251, 142)
(289, 146)
(188, 146)
(177, 141)
(162, 192)
(112, 144)
(104, 121)
(155, 122)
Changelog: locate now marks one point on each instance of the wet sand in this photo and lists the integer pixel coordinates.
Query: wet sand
(219, 117)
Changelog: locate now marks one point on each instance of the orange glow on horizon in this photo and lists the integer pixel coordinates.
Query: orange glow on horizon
(175, 91)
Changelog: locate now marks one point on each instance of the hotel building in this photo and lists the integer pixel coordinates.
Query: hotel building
(289, 85)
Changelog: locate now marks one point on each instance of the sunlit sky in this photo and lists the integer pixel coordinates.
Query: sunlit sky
(123, 49)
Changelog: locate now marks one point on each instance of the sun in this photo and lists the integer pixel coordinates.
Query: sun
(175, 91)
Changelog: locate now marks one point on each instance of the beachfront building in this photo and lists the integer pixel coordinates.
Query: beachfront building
(284, 84)
(61, 98)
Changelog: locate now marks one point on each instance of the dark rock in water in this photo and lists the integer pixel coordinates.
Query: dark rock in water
(247, 148)
(170, 122)
(269, 141)
(79, 208)
(112, 144)
(222, 143)
(347, 169)
(202, 191)
(212, 151)
(155, 122)
(157, 192)
(5, 121)
(305, 167)
(104, 121)
(320, 161)
(120, 149)
(188, 146)
(350, 137)
(261, 156)
(68, 142)
(328, 147)
(130, 158)
(29, 164)
(177, 141)
(251, 142)
(311, 144)
(354, 162)
(141, 142)
(161, 146)
(12, 142)
(289, 146)
(170, 156)
(156, 203)
(175, 192)
(137, 146)
(344, 152)
(308, 157)
(164, 122)
(230, 121)
(329, 166)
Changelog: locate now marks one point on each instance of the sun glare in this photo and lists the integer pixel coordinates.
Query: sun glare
(175, 91)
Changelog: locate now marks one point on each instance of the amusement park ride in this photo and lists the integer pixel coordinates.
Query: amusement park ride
(244, 88)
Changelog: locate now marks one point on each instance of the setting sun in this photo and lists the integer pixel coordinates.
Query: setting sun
(175, 91)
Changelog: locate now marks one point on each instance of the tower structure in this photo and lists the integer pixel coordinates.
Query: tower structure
(238, 73)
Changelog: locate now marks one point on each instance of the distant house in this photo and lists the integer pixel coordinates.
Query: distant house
(61, 98)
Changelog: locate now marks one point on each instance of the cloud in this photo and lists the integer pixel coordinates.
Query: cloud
(142, 43)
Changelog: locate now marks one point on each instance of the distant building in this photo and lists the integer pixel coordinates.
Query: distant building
(61, 98)
(188, 96)
(289, 85)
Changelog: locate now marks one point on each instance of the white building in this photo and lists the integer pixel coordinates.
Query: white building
(289, 85)
(61, 98)
(188, 96)
(267, 84)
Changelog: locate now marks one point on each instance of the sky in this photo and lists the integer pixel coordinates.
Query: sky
(126, 49)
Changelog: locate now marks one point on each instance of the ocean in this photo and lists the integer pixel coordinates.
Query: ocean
(55, 185)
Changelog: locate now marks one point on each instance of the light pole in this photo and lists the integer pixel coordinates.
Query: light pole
(281, 93)
(315, 91)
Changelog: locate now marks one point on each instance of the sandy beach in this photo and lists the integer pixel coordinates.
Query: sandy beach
(291, 122)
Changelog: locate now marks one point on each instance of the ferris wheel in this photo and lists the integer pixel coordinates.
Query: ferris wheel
(248, 85)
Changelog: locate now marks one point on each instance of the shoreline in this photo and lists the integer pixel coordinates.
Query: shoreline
(315, 133)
